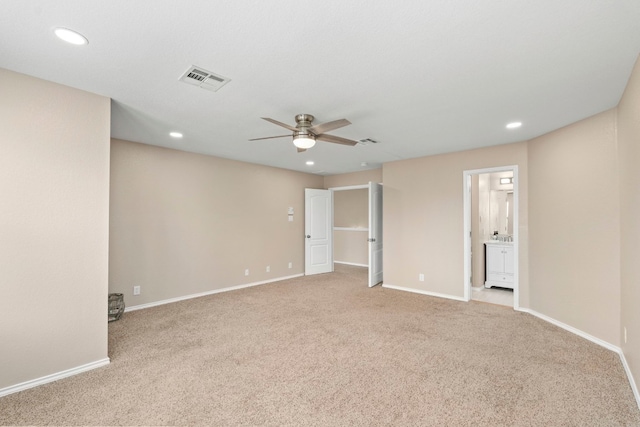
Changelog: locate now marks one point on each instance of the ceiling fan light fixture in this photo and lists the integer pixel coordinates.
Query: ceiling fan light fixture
(304, 141)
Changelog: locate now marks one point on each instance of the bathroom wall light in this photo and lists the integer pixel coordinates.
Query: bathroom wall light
(70, 36)
(310, 163)
(175, 134)
(506, 180)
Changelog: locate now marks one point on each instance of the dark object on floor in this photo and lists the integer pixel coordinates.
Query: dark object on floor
(116, 306)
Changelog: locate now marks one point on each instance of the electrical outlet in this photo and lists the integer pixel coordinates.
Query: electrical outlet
(290, 265)
(421, 277)
(246, 272)
(136, 290)
(625, 334)
(268, 268)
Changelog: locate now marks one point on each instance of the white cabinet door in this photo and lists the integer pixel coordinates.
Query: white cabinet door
(508, 260)
(495, 260)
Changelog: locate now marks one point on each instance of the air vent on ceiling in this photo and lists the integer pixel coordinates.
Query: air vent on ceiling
(367, 141)
(198, 76)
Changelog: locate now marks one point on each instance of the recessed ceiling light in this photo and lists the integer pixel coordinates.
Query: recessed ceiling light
(71, 36)
(514, 125)
(310, 163)
(175, 134)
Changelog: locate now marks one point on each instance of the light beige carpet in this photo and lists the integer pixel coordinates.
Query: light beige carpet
(327, 351)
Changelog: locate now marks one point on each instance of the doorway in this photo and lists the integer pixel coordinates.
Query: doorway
(357, 228)
(495, 237)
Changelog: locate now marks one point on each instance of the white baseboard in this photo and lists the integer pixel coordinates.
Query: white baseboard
(421, 292)
(555, 322)
(203, 294)
(571, 329)
(632, 382)
(634, 387)
(594, 340)
(351, 263)
(53, 377)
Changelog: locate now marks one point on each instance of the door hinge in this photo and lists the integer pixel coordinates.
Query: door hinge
(371, 239)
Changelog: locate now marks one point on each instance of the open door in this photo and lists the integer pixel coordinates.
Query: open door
(375, 234)
(318, 230)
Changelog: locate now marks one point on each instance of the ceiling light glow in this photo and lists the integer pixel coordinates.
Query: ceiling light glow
(303, 141)
(310, 162)
(175, 134)
(514, 125)
(71, 36)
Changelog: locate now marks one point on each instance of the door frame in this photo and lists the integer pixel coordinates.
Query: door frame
(467, 229)
(350, 187)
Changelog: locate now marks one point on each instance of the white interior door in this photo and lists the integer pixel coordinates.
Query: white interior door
(318, 225)
(375, 234)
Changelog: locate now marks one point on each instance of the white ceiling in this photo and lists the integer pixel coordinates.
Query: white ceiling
(421, 77)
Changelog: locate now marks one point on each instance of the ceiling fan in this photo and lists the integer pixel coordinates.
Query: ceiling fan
(305, 135)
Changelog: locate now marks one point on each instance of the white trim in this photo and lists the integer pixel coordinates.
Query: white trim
(349, 187)
(203, 294)
(350, 229)
(594, 340)
(351, 263)
(419, 291)
(571, 329)
(634, 387)
(53, 377)
(467, 229)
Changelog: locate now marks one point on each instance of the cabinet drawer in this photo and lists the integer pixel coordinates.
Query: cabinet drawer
(506, 278)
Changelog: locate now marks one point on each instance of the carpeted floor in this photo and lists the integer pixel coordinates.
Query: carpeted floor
(325, 350)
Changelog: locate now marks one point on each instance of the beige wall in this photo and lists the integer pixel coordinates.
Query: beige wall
(574, 226)
(354, 178)
(184, 223)
(54, 169)
(629, 156)
(351, 208)
(351, 247)
(423, 218)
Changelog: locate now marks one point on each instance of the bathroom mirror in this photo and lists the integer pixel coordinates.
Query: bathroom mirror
(501, 211)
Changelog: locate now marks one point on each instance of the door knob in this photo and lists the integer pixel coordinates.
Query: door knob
(308, 236)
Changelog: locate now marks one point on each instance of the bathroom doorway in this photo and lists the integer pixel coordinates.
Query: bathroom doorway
(491, 235)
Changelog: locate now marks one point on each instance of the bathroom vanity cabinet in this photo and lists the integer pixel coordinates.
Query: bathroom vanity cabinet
(499, 264)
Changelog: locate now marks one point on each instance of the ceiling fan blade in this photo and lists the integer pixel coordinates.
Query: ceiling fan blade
(269, 137)
(275, 122)
(301, 150)
(328, 126)
(336, 139)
